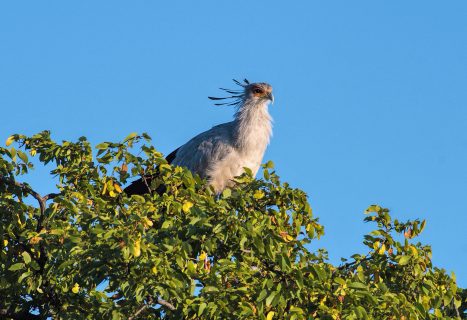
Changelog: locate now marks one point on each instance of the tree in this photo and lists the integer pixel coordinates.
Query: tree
(88, 251)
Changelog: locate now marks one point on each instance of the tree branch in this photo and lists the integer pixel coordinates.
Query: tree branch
(141, 309)
(148, 304)
(41, 200)
(165, 304)
(350, 264)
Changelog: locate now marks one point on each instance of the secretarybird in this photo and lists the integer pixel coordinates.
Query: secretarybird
(221, 153)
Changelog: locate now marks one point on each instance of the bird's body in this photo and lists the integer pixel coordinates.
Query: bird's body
(221, 153)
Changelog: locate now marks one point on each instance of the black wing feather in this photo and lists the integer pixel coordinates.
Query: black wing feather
(171, 157)
(142, 186)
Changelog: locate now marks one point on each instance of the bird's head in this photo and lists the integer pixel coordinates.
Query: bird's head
(259, 92)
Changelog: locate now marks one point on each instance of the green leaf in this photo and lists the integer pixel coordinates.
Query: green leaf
(166, 224)
(248, 171)
(422, 226)
(130, 136)
(12, 153)
(271, 296)
(296, 310)
(226, 193)
(340, 281)
(357, 285)
(116, 315)
(403, 260)
(373, 208)
(194, 220)
(202, 306)
(22, 156)
(269, 165)
(26, 257)
(262, 295)
(138, 198)
(16, 266)
(361, 312)
(24, 275)
(242, 242)
(102, 146)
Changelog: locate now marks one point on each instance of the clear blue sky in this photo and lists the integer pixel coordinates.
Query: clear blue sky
(371, 96)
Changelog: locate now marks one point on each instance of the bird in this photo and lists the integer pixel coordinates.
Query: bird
(221, 153)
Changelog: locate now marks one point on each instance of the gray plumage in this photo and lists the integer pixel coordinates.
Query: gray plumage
(221, 153)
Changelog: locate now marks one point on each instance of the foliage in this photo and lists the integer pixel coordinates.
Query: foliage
(90, 252)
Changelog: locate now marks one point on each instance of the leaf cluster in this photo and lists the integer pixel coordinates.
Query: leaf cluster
(88, 251)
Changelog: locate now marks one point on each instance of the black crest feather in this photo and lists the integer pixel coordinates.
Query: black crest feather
(237, 95)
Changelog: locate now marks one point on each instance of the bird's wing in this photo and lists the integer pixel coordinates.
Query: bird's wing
(142, 185)
(206, 149)
(198, 155)
(170, 158)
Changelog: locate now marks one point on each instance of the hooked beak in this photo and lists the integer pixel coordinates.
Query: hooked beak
(271, 97)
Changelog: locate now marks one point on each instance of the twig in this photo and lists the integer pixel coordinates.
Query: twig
(148, 304)
(350, 264)
(146, 182)
(141, 309)
(457, 310)
(165, 304)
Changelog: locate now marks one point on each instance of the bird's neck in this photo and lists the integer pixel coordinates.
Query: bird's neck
(253, 126)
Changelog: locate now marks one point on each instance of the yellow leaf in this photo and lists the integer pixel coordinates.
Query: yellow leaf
(105, 188)
(187, 206)
(9, 140)
(5, 242)
(414, 251)
(137, 248)
(191, 266)
(19, 221)
(164, 166)
(376, 245)
(270, 315)
(75, 288)
(422, 226)
(33, 152)
(147, 223)
(112, 194)
(117, 188)
(373, 208)
(258, 194)
(154, 270)
(202, 256)
(287, 237)
(382, 250)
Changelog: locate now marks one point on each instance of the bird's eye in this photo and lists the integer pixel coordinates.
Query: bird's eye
(257, 90)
